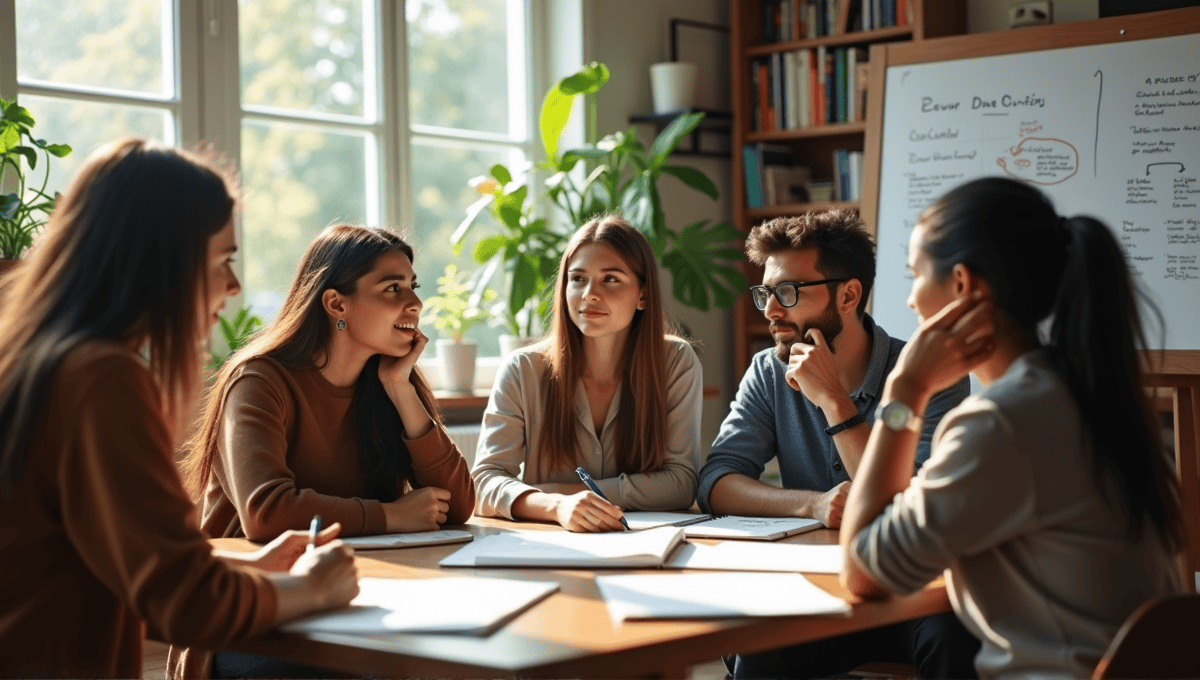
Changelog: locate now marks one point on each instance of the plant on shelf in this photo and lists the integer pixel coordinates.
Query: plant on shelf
(236, 333)
(456, 309)
(614, 174)
(25, 210)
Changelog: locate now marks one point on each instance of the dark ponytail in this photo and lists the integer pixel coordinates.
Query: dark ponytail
(1073, 271)
(1095, 336)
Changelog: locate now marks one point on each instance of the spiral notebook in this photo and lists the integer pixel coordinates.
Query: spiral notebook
(724, 526)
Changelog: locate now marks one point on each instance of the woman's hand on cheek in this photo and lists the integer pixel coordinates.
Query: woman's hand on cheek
(946, 347)
(397, 371)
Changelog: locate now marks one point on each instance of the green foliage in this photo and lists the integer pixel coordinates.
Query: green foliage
(620, 176)
(24, 211)
(455, 310)
(236, 334)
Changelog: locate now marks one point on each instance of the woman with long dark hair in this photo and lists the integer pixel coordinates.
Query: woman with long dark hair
(325, 412)
(1048, 498)
(99, 540)
(609, 391)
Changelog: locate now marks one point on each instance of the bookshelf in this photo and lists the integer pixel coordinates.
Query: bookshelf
(814, 144)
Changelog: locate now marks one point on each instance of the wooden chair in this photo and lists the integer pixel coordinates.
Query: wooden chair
(1158, 640)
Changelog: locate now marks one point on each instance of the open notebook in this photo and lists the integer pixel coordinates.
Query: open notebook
(463, 605)
(413, 540)
(724, 526)
(625, 549)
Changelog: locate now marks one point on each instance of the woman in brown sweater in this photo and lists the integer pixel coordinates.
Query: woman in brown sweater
(98, 539)
(325, 413)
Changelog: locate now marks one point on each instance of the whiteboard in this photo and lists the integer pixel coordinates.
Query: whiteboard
(1108, 130)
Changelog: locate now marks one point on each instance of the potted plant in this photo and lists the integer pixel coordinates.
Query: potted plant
(25, 210)
(454, 311)
(236, 333)
(620, 176)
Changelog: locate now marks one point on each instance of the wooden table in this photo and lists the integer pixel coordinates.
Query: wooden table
(570, 633)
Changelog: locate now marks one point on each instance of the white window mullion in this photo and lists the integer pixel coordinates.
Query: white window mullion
(396, 114)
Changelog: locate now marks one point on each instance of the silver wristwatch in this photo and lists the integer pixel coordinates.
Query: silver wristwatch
(898, 416)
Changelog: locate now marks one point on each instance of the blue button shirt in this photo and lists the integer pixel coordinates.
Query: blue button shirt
(769, 419)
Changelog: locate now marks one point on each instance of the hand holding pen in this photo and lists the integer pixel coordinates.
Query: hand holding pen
(590, 510)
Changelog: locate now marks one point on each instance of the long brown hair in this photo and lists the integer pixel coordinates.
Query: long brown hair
(122, 259)
(641, 441)
(339, 256)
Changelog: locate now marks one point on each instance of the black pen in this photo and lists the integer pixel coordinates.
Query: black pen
(591, 484)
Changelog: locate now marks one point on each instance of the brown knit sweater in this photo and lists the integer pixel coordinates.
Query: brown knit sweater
(99, 542)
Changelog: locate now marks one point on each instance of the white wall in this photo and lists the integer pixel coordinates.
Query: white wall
(992, 15)
(628, 36)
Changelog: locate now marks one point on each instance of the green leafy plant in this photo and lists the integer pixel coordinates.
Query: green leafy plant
(620, 175)
(24, 211)
(236, 333)
(456, 308)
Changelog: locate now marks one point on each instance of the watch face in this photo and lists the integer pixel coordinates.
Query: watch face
(896, 415)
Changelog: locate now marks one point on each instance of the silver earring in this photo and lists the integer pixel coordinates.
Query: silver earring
(341, 324)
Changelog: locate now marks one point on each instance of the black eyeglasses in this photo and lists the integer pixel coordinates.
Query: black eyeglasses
(785, 293)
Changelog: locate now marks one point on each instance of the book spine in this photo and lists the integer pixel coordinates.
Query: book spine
(754, 193)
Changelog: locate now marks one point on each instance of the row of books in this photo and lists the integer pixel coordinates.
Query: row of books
(806, 88)
(788, 20)
(773, 177)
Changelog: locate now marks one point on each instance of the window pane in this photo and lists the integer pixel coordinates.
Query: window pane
(458, 64)
(308, 56)
(97, 44)
(440, 199)
(87, 125)
(296, 180)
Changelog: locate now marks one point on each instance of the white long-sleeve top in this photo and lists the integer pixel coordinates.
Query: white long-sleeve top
(512, 428)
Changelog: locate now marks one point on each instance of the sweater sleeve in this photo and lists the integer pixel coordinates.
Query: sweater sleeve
(674, 486)
(437, 462)
(502, 450)
(976, 491)
(254, 471)
(126, 513)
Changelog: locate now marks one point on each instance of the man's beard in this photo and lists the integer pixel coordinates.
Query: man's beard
(829, 322)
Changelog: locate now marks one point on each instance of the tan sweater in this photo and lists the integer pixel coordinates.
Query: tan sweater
(287, 451)
(99, 541)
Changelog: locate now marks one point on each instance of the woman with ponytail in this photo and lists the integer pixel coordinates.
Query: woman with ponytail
(609, 391)
(1048, 498)
(325, 413)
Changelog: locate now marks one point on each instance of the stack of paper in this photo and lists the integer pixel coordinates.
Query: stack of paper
(625, 549)
(413, 540)
(472, 606)
(686, 596)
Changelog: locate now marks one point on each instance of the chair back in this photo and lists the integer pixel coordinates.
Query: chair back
(1158, 640)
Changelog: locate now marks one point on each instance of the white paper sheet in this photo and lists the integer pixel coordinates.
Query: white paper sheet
(714, 595)
(420, 538)
(650, 548)
(743, 556)
(465, 605)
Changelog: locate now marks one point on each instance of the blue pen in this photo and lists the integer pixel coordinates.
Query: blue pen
(591, 484)
(313, 530)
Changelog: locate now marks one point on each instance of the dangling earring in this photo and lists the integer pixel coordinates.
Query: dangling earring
(341, 324)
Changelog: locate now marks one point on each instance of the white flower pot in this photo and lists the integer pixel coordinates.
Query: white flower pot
(512, 343)
(458, 365)
(673, 85)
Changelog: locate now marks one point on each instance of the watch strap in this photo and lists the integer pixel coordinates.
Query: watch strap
(846, 424)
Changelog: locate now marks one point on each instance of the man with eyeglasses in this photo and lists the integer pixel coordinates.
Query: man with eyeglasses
(809, 402)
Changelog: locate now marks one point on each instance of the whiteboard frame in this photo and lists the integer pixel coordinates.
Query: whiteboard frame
(1121, 29)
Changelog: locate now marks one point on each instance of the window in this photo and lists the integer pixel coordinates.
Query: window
(361, 111)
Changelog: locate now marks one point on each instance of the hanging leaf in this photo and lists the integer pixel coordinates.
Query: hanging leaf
(693, 178)
(672, 135)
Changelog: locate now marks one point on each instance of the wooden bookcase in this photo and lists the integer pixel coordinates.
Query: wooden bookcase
(814, 146)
